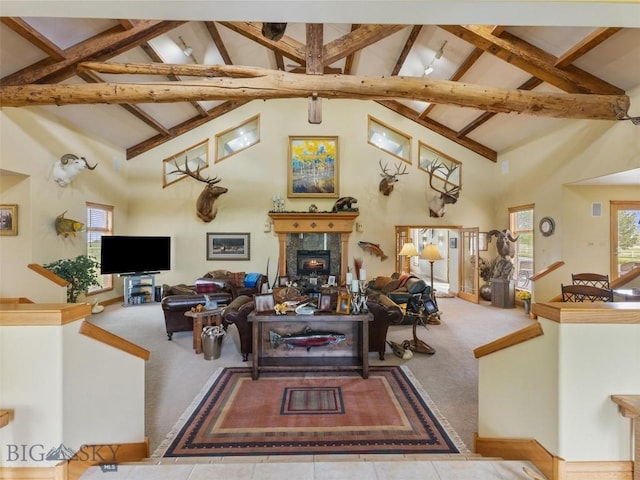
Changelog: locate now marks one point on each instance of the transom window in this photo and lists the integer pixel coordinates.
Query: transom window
(389, 140)
(238, 138)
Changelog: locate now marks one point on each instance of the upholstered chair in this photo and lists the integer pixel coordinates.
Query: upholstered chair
(385, 312)
(236, 313)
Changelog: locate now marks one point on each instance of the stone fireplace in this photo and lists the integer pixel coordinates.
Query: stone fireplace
(314, 231)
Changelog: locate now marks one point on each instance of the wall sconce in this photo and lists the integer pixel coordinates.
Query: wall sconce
(429, 68)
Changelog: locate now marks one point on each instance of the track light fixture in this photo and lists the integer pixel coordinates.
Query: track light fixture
(429, 68)
(186, 49)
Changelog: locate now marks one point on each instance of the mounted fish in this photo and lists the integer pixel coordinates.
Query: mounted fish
(374, 249)
(66, 226)
(306, 339)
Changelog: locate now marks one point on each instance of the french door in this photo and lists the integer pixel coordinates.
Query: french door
(468, 264)
(625, 237)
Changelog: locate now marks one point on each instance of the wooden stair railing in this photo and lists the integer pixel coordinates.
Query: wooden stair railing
(48, 274)
(629, 406)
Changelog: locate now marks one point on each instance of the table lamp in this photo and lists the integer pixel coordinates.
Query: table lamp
(431, 253)
(408, 250)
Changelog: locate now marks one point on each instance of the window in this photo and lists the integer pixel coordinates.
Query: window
(99, 223)
(521, 223)
(237, 138)
(390, 140)
(625, 234)
(193, 158)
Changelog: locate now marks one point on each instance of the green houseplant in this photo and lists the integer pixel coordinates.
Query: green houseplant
(81, 272)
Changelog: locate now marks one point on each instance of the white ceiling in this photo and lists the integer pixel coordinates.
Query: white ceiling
(555, 27)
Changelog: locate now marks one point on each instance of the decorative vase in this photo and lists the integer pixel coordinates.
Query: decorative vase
(527, 306)
(485, 291)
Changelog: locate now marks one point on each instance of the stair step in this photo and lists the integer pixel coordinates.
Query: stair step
(470, 467)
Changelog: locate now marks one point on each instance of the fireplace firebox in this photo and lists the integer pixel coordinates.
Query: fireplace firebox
(313, 262)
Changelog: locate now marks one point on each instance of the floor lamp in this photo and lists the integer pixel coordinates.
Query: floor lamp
(408, 250)
(431, 253)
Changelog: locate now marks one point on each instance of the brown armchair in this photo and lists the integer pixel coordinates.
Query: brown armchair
(385, 312)
(236, 314)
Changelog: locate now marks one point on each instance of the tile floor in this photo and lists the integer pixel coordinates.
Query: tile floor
(472, 468)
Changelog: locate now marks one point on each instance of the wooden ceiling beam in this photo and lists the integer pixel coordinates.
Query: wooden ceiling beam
(530, 59)
(408, 45)
(256, 83)
(349, 62)
(34, 37)
(287, 46)
(183, 128)
(357, 40)
(411, 114)
(217, 40)
(101, 47)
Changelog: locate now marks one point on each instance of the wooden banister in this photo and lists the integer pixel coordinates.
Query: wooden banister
(102, 335)
(546, 271)
(626, 278)
(48, 274)
(530, 331)
(629, 406)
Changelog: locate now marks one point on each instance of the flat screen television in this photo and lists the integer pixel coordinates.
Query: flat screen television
(120, 254)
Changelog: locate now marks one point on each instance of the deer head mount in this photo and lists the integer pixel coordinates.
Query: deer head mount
(206, 208)
(449, 192)
(388, 180)
(69, 165)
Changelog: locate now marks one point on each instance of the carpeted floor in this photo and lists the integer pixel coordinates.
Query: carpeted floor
(175, 374)
(302, 413)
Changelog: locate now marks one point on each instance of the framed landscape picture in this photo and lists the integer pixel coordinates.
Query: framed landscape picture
(312, 169)
(228, 246)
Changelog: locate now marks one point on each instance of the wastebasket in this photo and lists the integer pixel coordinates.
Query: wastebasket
(212, 337)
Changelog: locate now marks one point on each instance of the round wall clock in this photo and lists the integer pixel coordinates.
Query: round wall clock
(547, 226)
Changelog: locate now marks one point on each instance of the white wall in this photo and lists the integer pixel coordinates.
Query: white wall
(556, 389)
(64, 387)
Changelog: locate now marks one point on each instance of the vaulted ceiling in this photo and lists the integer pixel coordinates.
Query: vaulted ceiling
(492, 86)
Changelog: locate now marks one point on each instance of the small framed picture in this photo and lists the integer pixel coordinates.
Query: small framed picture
(332, 280)
(344, 304)
(453, 242)
(8, 219)
(313, 280)
(282, 281)
(265, 303)
(324, 302)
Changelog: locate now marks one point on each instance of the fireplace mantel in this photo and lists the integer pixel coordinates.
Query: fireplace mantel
(323, 222)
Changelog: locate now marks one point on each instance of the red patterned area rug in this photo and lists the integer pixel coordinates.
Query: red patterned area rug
(310, 413)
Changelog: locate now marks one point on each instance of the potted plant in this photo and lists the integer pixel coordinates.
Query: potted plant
(81, 272)
(525, 296)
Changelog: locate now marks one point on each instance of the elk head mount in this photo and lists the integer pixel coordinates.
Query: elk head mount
(388, 180)
(449, 192)
(206, 208)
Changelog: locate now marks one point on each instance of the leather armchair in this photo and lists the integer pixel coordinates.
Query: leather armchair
(385, 312)
(174, 307)
(236, 314)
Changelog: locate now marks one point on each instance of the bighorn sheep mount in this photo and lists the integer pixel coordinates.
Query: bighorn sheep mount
(69, 165)
(506, 248)
(449, 192)
(387, 183)
(206, 208)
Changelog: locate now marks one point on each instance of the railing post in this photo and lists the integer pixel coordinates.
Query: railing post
(629, 406)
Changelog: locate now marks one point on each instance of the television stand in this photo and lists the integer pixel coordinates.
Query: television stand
(139, 288)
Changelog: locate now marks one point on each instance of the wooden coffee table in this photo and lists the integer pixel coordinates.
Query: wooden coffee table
(201, 319)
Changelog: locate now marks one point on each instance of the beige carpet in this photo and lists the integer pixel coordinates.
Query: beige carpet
(175, 374)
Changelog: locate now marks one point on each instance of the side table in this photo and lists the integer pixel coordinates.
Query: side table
(200, 319)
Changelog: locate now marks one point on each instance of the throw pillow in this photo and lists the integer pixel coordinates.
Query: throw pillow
(237, 278)
(416, 285)
(380, 282)
(251, 279)
(182, 290)
(206, 286)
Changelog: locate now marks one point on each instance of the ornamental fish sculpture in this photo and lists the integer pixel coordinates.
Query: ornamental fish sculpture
(374, 249)
(66, 226)
(306, 339)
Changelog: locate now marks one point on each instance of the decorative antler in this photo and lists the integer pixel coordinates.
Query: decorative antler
(386, 184)
(452, 192)
(196, 175)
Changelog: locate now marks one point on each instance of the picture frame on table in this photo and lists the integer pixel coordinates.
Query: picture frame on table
(283, 280)
(313, 166)
(265, 303)
(324, 302)
(228, 246)
(344, 304)
(331, 281)
(9, 219)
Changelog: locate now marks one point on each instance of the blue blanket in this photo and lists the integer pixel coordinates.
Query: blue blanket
(250, 279)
